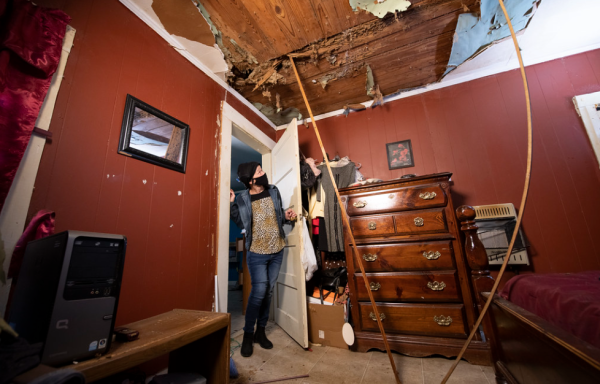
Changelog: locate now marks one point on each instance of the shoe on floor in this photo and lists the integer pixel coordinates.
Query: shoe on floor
(247, 347)
(260, 337)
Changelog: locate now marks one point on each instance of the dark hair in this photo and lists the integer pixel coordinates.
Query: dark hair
(246, 172)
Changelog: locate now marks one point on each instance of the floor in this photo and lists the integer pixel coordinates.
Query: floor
(329, 365)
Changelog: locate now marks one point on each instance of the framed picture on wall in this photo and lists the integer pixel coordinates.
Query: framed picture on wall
(151, 135)
(400, 154)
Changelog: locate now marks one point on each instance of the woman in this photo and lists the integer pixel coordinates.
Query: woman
(259, 211)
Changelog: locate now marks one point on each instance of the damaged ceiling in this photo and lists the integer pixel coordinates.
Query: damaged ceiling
(343, 56)
(347, 51)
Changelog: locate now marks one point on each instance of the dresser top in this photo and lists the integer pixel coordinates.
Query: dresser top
(443, 176)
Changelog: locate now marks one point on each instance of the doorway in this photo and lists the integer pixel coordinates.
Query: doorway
(280, 161)
(235, 130)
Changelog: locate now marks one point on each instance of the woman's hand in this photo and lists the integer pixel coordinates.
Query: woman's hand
(290, 214)
(231, 196)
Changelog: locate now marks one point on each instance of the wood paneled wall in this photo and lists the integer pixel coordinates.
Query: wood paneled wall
(477, 131)
(169, 218)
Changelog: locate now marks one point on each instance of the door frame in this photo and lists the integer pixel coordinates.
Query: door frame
(233, 124)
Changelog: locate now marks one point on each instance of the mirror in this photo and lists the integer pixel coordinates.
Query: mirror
(151, 135)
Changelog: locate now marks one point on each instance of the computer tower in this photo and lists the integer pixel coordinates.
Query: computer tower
(67, 294)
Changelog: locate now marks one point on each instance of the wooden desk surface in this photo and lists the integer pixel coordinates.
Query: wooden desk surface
(159, 335)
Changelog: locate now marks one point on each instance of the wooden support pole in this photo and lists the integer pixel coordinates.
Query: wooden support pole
(348, 228)
(523, 199)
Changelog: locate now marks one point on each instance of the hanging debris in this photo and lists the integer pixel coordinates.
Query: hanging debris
(268, 71)
(370, 84)
(277, 116)
(373, 89)
(353, 107)
(278, 102)
(475, 33)
(377, 97)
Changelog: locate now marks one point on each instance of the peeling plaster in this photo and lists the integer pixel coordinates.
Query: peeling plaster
(181, 18)
(380, 8)
(475, 33)
(209, 55)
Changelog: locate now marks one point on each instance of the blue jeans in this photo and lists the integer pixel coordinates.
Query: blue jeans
(264, 270)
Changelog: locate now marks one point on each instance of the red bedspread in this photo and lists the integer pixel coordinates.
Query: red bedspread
(570, 301)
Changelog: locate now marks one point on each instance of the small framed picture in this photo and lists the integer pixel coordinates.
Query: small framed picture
(151, 135)
(400, 154)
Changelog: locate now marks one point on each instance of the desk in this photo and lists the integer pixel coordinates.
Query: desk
(196, 341)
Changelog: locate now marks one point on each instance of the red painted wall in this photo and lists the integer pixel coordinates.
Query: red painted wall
(477, 131)
(171, 252)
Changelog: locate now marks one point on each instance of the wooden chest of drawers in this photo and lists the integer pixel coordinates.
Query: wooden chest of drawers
(409, 243)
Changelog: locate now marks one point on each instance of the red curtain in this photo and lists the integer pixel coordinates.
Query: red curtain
(30, 47)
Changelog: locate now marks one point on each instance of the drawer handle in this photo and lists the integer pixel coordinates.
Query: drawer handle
(360, 204)
(391, 196)
(428, 195)
(381, 316)
(419, 221)
(436, 286)
(432, 255)
(369, 257)
(443, 321)
(372, 226)
(374, 286)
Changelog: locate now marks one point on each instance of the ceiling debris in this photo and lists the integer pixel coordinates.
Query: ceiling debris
(268, 71)
(405, 43)
(380, 8)
(276, 115)
(370, 81)
(326, 79)
(477, 32)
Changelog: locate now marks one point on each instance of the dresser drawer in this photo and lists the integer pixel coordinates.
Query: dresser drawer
(372, 226)
(399, 199)
(416, 222)
(409, 287)
(415, 319)
(436, 255)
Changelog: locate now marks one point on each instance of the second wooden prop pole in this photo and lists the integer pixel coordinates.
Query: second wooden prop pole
(348, 228)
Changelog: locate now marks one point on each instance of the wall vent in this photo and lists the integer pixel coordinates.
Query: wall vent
(496, 224)
(495, 211)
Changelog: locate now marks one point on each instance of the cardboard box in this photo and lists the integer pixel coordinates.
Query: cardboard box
(325, 324)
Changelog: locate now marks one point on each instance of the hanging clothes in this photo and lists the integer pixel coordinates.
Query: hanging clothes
(309, 260)
(316, 201)
(344, 173)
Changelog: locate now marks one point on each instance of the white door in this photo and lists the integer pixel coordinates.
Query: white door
(290, 290)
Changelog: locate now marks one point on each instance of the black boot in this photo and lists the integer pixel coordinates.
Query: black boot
(261, 338)
(247, 347)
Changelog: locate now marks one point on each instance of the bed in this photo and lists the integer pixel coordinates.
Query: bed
(525, 347)
(538, 336)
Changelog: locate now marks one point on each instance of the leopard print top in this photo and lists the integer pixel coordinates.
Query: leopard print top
(265, 231)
